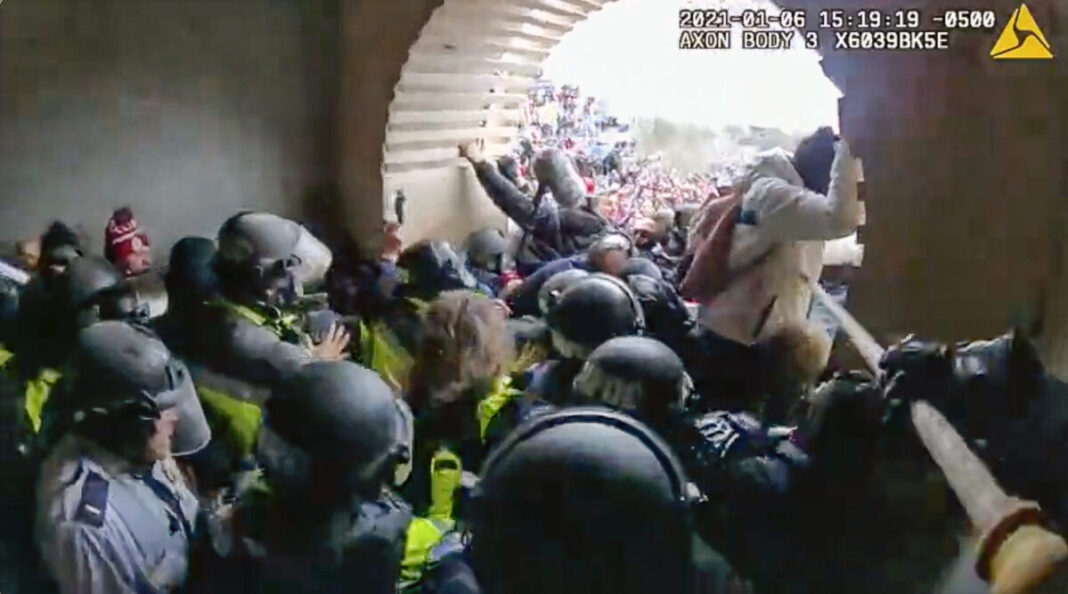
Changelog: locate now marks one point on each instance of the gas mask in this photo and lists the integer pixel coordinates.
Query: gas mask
(280, 285)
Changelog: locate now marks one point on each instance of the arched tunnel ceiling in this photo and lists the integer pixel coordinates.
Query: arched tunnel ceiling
(468, 74)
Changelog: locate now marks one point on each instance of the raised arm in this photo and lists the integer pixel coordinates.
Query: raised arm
(790, 213)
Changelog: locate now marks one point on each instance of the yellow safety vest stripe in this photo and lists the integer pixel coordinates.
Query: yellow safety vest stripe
(286, 322)
(423, 535)
(382, 352)
(446, 470)
(490, 406)
(241, 420)
(36, 396)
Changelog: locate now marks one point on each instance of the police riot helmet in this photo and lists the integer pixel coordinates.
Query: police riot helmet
(122, 375)
(582, 500)
(640, 376)
(343, 417)
(433, 266)
(257, 256)
(59, 246)
(486, 249)
(315, 258)
(97, 291)
(189, 271)
(591, 311)
(555, 286)
(665, 312)
(642, 266)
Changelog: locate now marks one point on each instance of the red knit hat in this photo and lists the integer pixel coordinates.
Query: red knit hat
(124, 239)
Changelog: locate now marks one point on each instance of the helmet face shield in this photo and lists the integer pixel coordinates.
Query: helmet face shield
(405, 441)
(191, 433)
(314, 258)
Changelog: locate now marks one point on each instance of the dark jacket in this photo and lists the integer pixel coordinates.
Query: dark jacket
(551, 232)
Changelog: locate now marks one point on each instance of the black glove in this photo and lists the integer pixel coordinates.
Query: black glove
(916, 369)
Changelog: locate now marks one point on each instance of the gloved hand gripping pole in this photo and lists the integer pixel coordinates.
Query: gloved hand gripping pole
(1018, 554)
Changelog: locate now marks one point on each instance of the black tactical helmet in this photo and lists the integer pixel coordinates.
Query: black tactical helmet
(97, 291)
(555, 286)
(122, 376)
(433, 267)
(189, 272)
(635, 266)
(592, 311)
(257, 256)
(344, 418)
(59, 246)
(665, 312)
(582, 500)
(638, 375)
(486, 248)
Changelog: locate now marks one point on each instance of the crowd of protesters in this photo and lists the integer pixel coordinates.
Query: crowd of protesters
(627, 399)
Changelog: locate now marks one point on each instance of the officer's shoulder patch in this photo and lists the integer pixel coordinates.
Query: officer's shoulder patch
(94, 500)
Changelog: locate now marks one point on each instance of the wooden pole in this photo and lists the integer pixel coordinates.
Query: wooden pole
(1017, 553)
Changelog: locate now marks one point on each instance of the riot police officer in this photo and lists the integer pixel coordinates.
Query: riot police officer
(752, 476)
(1001, 398)
(486, 250)
(92, 290)
(550, 292)
(190, 282)
(252, 332)
(592, 501)
(666, 316)
(389, 333)
(113, 512)
(588, 313)
(431, 267)
(326, 521)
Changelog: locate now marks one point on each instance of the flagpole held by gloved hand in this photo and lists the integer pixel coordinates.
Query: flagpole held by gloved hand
(1017, 553)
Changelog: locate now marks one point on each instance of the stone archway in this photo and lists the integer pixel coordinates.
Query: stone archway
(965, 171)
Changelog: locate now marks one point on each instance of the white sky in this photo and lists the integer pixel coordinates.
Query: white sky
(628, 54)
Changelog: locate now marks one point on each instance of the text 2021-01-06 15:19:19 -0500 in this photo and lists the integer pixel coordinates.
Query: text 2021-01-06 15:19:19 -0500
(899, 29)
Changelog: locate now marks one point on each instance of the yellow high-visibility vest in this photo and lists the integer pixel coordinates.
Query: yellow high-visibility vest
(285, 325)
(36, 396)
(490, 406)
(240, 420)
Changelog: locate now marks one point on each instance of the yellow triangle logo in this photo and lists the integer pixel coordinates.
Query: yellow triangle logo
(1021, 39)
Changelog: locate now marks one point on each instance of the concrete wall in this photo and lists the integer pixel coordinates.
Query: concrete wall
(187, 110)
(966, 179)
(444, 204)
